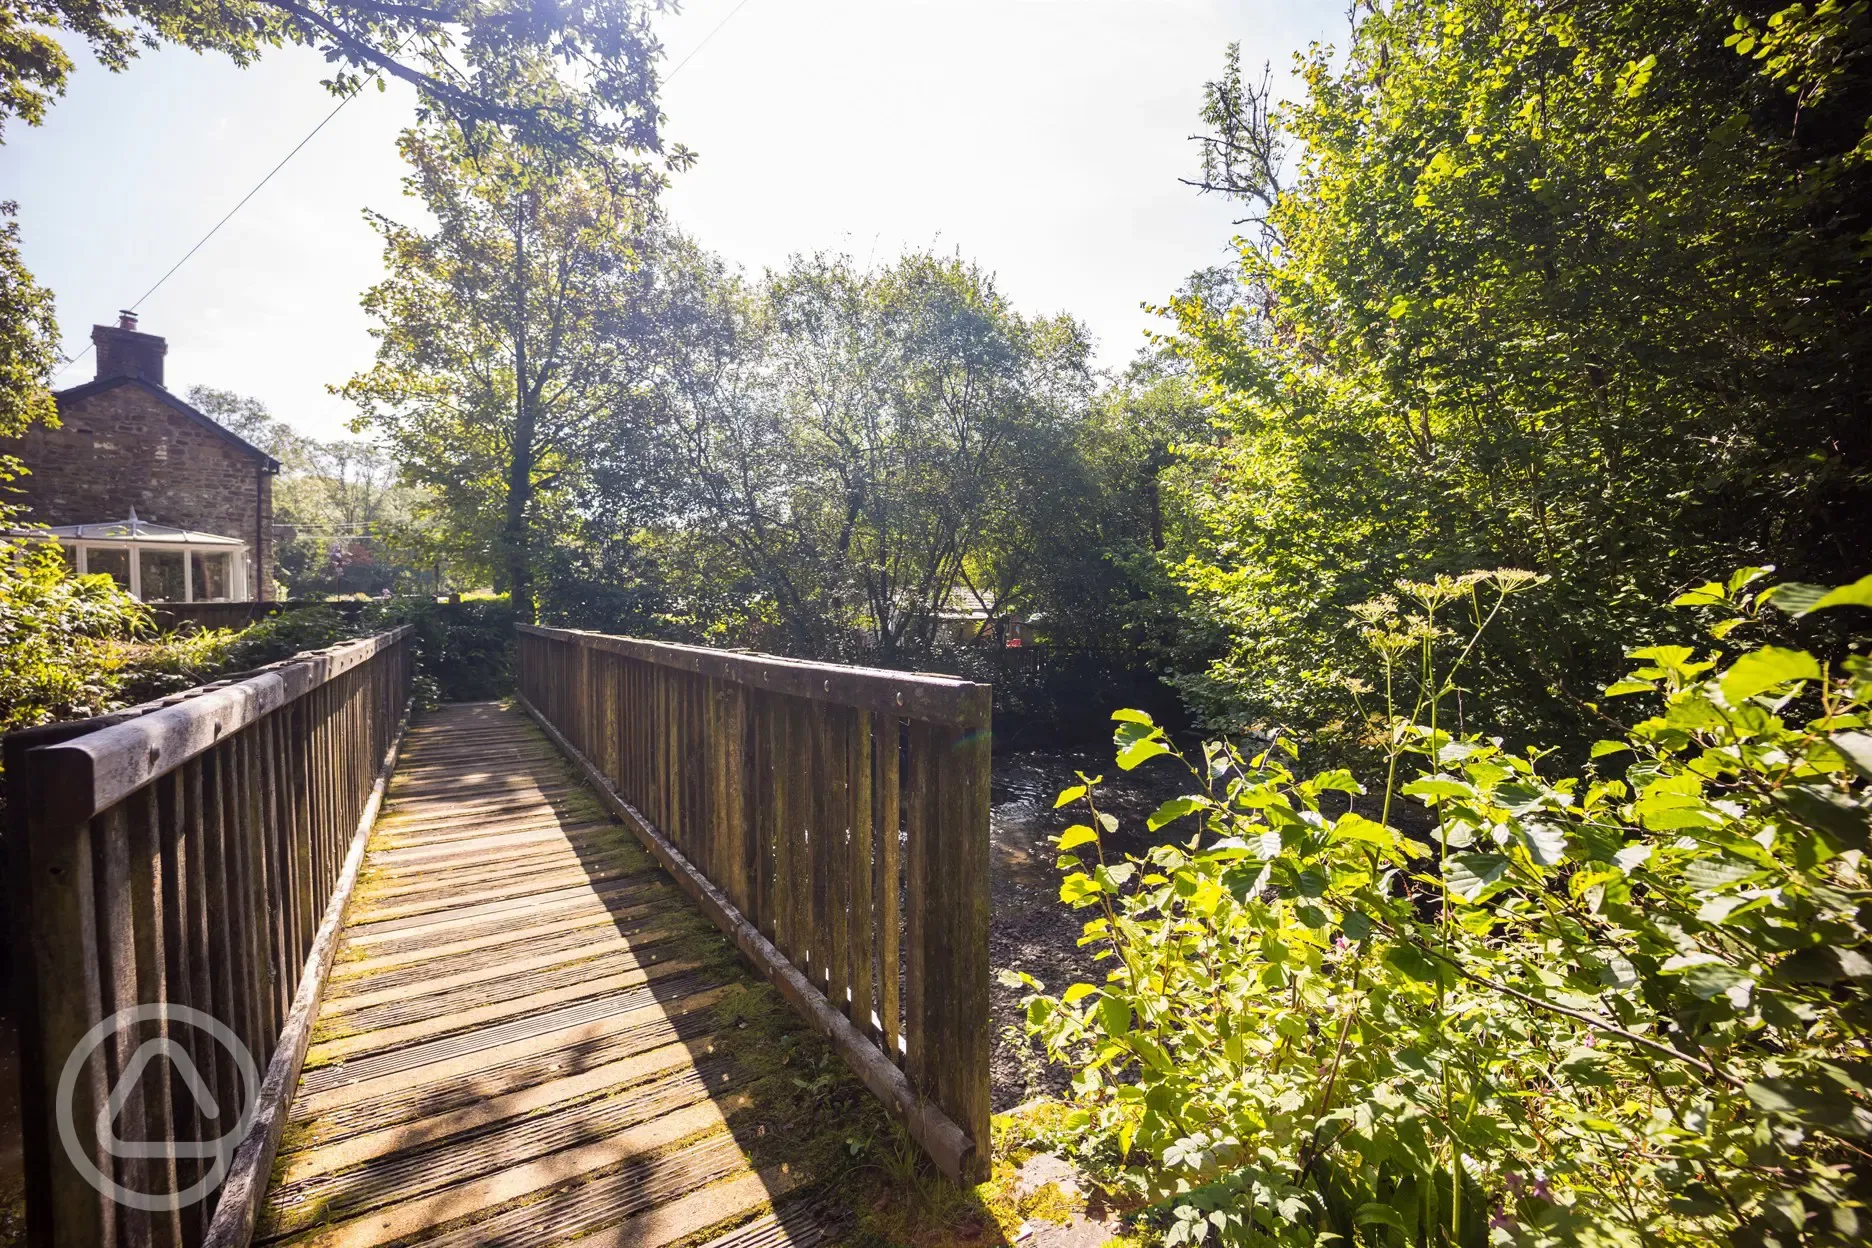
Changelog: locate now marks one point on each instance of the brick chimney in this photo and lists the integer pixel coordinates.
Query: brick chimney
(123, 352)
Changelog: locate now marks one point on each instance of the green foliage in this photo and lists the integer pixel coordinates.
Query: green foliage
(483, 64)
(295, 631)
(861, 444)
(28, 341)
(1576, 288)
(169, 663)
(353, 525)
(57, 660)
(508, 359)
(1079, 546)
(464, 651)
(1629, 1006)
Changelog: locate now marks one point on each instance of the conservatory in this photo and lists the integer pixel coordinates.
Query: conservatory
(156, 562)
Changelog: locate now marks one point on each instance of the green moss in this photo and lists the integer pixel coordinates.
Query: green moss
(327, 1029)
(296, 1136)
(1050, 1203)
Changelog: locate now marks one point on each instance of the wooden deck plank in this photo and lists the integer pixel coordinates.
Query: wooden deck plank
(518, 1044)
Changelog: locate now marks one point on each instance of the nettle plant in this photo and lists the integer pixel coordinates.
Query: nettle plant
(1626, 1007)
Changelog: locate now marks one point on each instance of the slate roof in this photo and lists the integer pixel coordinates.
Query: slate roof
(103, 384)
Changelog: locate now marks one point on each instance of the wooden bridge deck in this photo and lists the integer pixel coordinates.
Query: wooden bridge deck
(525, 1035)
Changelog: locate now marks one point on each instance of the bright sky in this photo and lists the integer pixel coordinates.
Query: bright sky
(1041, 138)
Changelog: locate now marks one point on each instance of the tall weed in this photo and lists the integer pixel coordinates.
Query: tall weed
(1627, 1006)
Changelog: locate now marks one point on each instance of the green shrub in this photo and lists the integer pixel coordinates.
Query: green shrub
(1623, 1007)
(171, 662)
(292, 632)
(464, 651)
(57, 629)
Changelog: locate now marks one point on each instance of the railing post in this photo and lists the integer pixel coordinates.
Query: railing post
(69, 1004)
(955, 1005)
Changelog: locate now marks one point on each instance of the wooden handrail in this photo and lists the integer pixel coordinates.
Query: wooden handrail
(90, 773)
(912, 695)
(832, 820)
(182, 854)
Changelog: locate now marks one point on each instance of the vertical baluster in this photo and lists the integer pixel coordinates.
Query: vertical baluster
(184, 936)
(956, 1000)
(299, 719)
(920, 877)
(758, 769)
(799, 819)
(221, 917)
(887, 732)
(694, 765)
(778, 820)
(147, 932)
(858, 870)
(271, 835)
(262, 914)
(834, 779)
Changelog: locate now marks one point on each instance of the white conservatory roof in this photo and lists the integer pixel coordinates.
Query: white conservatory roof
(134, 530)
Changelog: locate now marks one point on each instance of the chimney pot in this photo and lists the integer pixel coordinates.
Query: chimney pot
(124, 351)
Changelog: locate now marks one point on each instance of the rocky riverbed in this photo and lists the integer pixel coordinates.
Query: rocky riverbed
(1033, 931)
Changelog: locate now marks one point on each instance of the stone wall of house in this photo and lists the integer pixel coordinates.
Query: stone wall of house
(122, 448)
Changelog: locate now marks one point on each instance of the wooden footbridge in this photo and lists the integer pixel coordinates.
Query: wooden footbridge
(302, 972)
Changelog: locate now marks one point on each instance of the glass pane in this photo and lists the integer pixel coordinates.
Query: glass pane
(162, 576)
(103, 560)
(212, 576)
(70, 555)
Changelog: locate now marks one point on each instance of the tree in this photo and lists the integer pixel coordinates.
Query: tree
(509, 337)
(1084, 550)
(351, 523)
(1580, 289)
(250, 420)
(473, 63)
(28, 340)
(852, 450)
(572, 83)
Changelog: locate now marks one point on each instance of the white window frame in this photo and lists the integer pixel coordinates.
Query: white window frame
(237, 564)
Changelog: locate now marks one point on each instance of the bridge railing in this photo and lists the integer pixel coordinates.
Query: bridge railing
(192, 853)
(832, 819)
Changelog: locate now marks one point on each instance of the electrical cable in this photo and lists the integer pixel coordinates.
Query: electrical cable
(310, 135)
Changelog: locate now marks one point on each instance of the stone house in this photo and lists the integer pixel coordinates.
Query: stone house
(136, 483)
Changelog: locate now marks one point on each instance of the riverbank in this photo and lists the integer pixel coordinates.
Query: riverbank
(1032, 930)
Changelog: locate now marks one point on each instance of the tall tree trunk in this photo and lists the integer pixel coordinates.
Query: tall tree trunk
(520, 470)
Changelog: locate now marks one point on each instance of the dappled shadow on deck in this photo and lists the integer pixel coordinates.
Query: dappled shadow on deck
(530, 1036)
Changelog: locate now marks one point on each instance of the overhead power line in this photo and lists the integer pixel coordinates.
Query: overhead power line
(203, 241)
(310, 135)
(705, 40)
